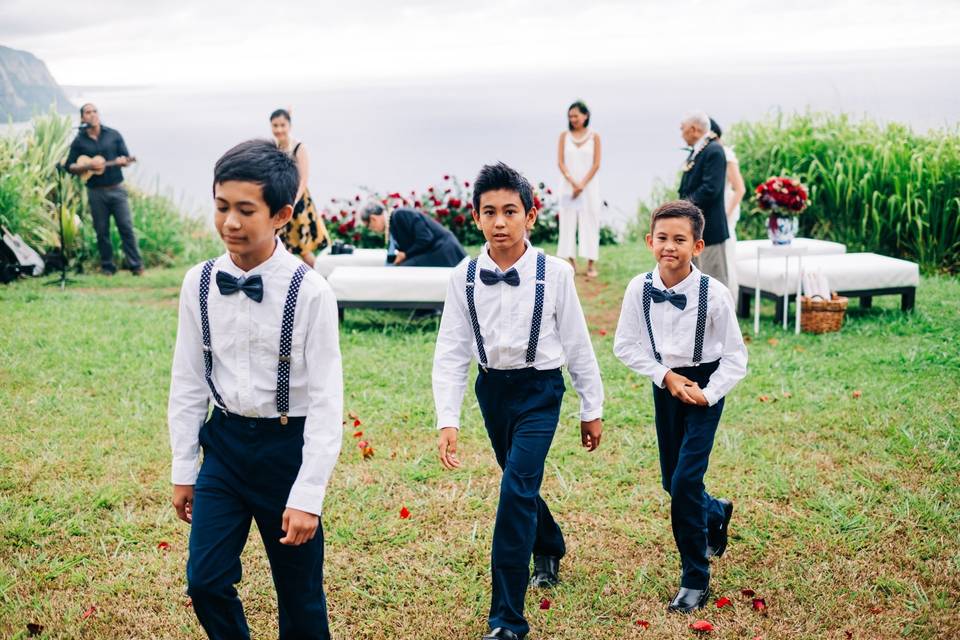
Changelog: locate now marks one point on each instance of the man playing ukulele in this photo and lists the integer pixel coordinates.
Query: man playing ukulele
(97, 154)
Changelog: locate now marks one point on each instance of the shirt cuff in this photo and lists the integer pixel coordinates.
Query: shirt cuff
(184, 472)
(710, 396)
(445, 421)
(659, 375)
(306, 498)
(586, 415)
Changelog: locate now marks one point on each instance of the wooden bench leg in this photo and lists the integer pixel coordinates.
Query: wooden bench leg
(908, 298)
(743, 304)
(866, 302)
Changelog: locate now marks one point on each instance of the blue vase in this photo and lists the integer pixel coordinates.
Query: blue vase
(782, 229)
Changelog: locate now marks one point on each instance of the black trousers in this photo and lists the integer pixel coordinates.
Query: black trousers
(104, 202)
(521, 408)
(685, 435)
(445, 253)
(249, 466)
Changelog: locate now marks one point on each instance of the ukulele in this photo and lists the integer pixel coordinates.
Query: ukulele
(88, 173)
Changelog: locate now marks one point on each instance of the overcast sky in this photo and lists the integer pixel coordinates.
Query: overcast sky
(220, 42)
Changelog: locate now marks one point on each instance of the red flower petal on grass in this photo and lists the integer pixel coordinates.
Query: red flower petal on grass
(857, 393)
(702, 626)
(89, 612)
(763, 398)
(367, 452)
(404, 513)
(363, 444)
(723, 602)
(603, 332)
(358, 434)
(748, 593)
(163, 546)
(544, 604)
(643, 623)
(759, 604)
(876, 610)
(356, 423)
(848, 633)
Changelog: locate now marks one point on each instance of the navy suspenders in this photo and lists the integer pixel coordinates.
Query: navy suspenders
(286, 338)
(205, 326)
(701, 316)
(535, 323)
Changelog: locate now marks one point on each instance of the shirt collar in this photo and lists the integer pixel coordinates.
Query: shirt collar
(267, 266)
(683, 285)
(485, 261)
(702, 142)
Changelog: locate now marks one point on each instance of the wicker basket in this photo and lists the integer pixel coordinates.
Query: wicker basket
(820, 316)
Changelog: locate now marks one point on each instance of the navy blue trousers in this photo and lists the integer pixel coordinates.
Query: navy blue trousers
(521, 408)
(685, 435)
(249, 466)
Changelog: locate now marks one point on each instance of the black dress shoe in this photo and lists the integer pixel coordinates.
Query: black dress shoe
(546, 571)
(501, 634)
(717, 538)
(689, 600)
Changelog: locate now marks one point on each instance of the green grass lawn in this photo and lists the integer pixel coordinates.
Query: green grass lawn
(847, 504)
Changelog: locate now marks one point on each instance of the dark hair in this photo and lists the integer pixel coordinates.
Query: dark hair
(493, 177)
(261, 162)
(580, 106)
(715, 128)
(84, 106)
(680, 209)
(280, 112)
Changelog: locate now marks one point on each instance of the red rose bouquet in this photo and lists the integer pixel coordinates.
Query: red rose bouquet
(781, 194)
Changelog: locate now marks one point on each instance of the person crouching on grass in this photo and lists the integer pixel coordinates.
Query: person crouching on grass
(677, 326)
(257, 337)
(516, 311)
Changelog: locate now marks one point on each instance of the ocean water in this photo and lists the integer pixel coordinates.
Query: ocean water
(403, 136)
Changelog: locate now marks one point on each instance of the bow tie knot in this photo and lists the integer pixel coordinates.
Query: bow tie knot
(679, 300)
(511, 277)
(252, 286)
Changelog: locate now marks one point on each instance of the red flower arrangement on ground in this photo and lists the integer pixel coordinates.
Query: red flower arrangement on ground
(451, 206)
(782, 193)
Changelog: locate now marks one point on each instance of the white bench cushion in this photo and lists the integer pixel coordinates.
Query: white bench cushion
(390, 284)
(747, 249)
(845, 272)
(327, 262)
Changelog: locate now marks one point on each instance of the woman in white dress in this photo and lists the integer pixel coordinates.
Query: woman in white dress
(578, 155)
(732, 196)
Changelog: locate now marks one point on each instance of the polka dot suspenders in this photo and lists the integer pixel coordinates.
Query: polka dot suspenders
(701, 316)
(537, 310)
(286, 339)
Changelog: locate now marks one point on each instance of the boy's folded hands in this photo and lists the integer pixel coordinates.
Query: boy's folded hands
(684, 389)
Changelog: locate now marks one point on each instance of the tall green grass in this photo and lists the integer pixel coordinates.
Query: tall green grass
(872, 186)
(28, 197)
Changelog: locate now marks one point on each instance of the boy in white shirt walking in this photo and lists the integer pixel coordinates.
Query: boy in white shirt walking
(516, 311)
(262, 346)
(678, 327)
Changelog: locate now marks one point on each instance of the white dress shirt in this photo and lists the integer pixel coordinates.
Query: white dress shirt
(504, 314)
(245, 340)
(674, 331)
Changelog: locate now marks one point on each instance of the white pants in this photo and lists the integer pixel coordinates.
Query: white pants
(588, 222)
(731, 251)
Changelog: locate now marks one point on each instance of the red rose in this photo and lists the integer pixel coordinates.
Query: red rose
(395, 195)
(351, 225)
(442, 212)
(459, 219)
(357, 197)
(430, 189)
(549, 192)
(446, 177)
(536, 202)
(454, 203)
(342, 229)
(470, 206)
(416, 205)
(356, 237)
(466, 184)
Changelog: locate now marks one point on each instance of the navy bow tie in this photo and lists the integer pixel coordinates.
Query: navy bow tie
(252, 286)
(511, 277)
(679, 300)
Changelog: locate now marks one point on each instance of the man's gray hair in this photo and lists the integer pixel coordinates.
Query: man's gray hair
(371, 208)
(699, 118)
